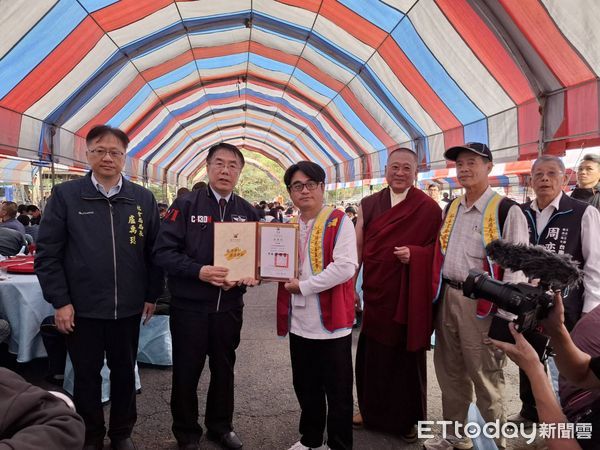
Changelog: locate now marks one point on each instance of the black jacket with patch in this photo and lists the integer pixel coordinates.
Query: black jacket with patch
(185, 244)
(96, 253)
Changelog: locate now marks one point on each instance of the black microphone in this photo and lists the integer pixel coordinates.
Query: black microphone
(555, 271)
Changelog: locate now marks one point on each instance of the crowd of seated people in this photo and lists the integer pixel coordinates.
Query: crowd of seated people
(18, 227)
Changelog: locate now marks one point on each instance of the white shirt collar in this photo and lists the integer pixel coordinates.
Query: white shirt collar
(480, 203)
(218, 196)
(397, 198)
(102, 189)
(555, 203)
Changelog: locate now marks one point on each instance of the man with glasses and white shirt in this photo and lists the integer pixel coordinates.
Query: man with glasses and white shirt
(94, 265)
(317, 310)
(206, 309)
(562, 225)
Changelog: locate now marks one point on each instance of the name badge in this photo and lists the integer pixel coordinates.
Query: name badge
(299, 301)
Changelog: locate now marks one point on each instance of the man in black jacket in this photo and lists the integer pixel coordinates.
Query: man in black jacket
(94, 265)
(206, 309)
(588, 181)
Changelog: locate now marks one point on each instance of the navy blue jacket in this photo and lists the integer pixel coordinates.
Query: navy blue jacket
(562, 234)
(95, 252)
(185, 243)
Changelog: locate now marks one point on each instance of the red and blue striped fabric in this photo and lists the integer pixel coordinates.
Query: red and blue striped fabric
(340, 83)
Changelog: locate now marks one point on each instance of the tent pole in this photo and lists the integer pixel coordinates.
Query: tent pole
(52, 134)
(542, 103)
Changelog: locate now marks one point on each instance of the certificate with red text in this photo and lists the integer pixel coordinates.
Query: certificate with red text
(278, 251)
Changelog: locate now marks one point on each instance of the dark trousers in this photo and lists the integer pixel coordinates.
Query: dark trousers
(56, 347)
(87, 346)
(195, 336)
(322, 374)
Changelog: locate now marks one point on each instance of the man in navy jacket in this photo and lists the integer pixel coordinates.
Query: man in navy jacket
(94, 265)
(206, 309)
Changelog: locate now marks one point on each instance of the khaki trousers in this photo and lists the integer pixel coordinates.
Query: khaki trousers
(463, 362)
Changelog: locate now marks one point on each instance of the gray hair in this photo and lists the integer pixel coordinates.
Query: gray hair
(549, 158)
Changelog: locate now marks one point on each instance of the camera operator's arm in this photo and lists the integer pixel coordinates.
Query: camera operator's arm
(572, 363)
(549, 411)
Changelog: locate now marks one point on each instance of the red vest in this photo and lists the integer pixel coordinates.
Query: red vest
(337, 303)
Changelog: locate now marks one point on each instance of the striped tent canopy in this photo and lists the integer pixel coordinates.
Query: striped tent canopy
(503, 174)
(340, 82)
(15, 171)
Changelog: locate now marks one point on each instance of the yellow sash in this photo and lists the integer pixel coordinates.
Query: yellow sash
(315, 243)
(490, 222)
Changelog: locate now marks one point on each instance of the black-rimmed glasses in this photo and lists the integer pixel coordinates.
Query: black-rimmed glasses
(299, 187)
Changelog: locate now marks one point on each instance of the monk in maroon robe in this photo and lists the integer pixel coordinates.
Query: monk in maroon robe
(396, 232)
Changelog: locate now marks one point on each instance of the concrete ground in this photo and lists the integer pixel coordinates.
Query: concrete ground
(266, 410)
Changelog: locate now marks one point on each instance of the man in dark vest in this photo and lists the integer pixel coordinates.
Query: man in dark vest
(395, 233)
(562, 225)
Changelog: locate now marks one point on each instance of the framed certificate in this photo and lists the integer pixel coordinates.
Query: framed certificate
(278, 251)
(235, 248)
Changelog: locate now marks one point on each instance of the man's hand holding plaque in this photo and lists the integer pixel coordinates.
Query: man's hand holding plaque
(214, 275)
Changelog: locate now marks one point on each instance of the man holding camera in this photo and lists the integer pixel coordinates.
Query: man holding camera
(562, 225)
(580, 374)
(462, 360)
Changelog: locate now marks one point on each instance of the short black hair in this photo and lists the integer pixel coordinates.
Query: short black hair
(312, 170)
(182, 191)
(24, 219)
(32, 208)
(225, 146)
(102, 130)
(21, 209)
(199, 185)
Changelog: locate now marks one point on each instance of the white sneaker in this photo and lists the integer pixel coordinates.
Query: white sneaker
(437, 443)
(451, 442)
(299, 446)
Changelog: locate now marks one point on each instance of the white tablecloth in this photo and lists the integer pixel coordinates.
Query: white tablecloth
(23, 305)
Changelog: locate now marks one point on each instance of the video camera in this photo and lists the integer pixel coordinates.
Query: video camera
(528, 304)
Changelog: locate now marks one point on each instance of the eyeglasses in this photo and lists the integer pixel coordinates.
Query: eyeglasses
(549, 174)
(101, 152)
(299, 187)
(221, 165)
